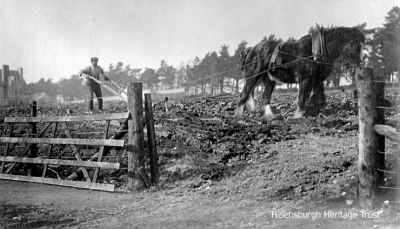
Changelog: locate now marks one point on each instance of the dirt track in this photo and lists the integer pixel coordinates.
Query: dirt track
(218, 172)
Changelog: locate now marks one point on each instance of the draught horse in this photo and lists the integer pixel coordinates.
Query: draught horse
(308, 62)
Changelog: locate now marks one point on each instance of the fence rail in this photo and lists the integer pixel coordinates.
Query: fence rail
(137, 177)
(64, 141)
(100, 117)
(388, 131)
(103, 165)
(68, 183)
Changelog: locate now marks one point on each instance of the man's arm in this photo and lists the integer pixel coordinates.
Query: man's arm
(85, 71)
(102, 73)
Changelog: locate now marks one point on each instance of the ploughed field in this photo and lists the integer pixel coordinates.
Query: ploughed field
(207, 156)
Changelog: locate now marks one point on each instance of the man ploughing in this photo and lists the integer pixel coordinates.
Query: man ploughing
(95, 71)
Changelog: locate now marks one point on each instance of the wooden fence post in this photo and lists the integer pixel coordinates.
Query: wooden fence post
(151, 139)
(379, 91)
(34, 148)
(5, 73)
(135, 136)
(355, 99)
(368, 156)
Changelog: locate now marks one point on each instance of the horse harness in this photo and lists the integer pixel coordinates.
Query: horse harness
(318, 45)
(273, 60)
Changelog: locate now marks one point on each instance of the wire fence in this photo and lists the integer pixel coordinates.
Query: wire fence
(298, 58)
(394, 155)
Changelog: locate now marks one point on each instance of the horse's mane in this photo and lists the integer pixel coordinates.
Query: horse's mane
(344, 33)
(305, 37)
(258, 52)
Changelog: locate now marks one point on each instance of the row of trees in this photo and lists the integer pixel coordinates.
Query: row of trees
(384, 46)
(218, 69)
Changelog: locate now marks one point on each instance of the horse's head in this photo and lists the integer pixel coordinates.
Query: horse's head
(243, 56)
(345, 45)
(352, 53)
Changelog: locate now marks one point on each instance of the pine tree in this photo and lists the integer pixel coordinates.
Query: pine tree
(236, 58)
(224, 65)
(149, 77)
(385, 46)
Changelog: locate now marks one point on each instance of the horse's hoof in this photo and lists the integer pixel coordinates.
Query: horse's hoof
(239, 112)
(268, 114)
(298, 114)
(236, 115)
(251, 104)
(268, 118)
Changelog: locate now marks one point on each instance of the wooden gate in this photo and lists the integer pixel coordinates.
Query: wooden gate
(29, 154)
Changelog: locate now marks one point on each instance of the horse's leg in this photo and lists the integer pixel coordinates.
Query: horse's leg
(318, 98)
(321, 99)
(303, 96)
(269, 86)
(251, 103)
(247, 96)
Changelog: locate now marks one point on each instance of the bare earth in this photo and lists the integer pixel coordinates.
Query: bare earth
(217, 172)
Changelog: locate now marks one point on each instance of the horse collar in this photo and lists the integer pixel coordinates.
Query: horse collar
(324, 50)
(273, 59)
(319, 48)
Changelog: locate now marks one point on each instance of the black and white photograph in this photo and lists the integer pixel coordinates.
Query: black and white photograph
(200, 114)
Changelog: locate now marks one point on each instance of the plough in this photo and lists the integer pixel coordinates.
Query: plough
(111, 86)
(119, 90)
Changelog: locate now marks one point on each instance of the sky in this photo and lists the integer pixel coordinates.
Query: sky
(56, 38)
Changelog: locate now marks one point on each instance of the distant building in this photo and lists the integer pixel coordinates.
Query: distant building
(13, 88)
(60, 98)
(42, 98)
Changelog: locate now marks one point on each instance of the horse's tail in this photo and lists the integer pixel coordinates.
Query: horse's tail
(255, 62)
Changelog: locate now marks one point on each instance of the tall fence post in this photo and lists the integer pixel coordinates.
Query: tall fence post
(5, 75)
(34, 148)
(355, 99)
(368, 156)
(151, 139)
(135, 137)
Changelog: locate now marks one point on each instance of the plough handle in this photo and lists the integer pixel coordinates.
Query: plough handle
(122, 93)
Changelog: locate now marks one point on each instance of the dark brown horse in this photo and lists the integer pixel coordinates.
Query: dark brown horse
(308, 62)
(254, 62)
